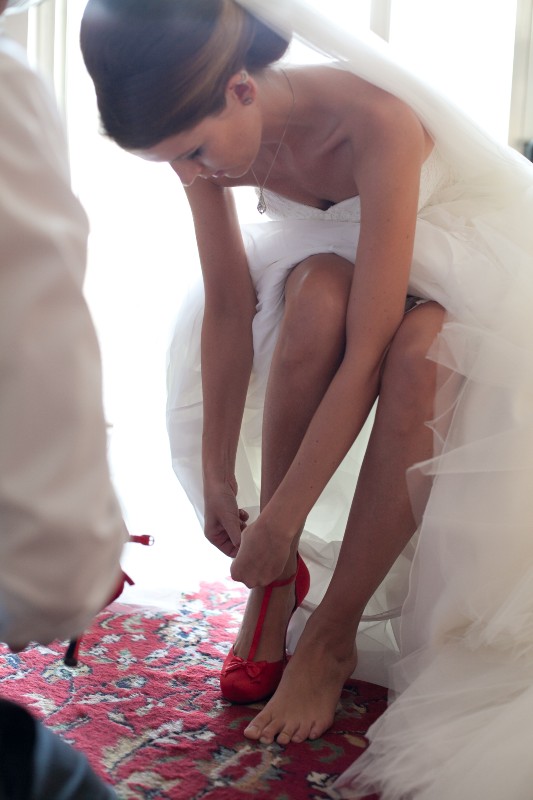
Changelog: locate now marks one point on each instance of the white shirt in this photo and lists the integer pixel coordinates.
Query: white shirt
(61, 530)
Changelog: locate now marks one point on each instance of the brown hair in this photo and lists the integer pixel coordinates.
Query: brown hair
(161, 66)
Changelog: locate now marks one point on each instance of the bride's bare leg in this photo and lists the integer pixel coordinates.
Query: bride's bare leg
(379, 526)
(308, 352)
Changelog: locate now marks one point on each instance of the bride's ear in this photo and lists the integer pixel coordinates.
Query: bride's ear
(242, 87)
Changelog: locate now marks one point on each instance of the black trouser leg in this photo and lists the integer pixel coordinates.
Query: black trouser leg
(36, 764)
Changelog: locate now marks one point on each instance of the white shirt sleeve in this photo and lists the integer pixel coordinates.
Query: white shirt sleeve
(61, 529)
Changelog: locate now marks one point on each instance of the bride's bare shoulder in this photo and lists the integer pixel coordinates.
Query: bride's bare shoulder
(354, 102)
(333, 86)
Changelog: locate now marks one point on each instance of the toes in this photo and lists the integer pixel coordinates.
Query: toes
(252, 731)
(298, 738)
(287, 735)
(266, 727)
(316, 730)
(297, 734)
(256, 728)
(285, 723)
(271, 731)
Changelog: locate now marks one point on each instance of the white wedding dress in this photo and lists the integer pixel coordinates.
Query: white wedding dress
(451, 627)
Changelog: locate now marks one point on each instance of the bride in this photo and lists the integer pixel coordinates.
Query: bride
(368, 351)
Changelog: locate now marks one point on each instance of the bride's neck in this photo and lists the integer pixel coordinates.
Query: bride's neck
(279, 104)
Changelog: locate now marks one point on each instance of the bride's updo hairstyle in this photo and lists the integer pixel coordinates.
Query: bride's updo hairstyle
(159, 67)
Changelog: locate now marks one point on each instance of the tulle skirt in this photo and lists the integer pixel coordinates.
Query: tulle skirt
(463, 688)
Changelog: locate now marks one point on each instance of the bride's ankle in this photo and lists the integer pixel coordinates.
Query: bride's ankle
(331, 634)
(275, 621)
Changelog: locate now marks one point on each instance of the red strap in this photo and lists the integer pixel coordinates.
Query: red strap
(263, 610)
(144, 539)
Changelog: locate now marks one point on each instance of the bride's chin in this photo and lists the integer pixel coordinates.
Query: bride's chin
(232, 172)
(241, 170)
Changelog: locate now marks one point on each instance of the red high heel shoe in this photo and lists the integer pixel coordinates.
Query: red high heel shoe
(244, 680)
(70, 658)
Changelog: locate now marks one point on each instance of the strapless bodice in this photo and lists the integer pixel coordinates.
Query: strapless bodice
(434, 175)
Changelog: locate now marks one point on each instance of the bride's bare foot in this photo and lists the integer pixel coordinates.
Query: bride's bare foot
(304, 704)
(271, 645)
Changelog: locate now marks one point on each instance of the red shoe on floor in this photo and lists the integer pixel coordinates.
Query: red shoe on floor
(244, 680)
(70, 658)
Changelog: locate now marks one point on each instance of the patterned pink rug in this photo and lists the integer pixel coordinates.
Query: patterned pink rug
(144, 706)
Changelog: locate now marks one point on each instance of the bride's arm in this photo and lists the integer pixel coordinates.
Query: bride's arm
(387, 172)
(226, 353)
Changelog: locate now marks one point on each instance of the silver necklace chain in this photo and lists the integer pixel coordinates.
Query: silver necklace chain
(261, 205)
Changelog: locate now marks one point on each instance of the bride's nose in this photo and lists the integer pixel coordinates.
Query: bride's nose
(187, 171)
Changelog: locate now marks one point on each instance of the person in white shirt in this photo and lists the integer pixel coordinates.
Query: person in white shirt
(61, 528)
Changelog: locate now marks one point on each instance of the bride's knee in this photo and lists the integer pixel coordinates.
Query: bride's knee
(409, 375)
(314, 323)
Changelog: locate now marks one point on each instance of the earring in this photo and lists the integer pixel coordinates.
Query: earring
(248, 101)
(244, 76)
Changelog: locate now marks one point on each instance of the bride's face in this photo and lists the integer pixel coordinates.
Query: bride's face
(225, 145)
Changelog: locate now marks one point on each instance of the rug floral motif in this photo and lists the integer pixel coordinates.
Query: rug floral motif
(144, 705)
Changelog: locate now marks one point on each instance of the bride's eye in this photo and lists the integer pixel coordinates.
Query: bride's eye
(196, 154)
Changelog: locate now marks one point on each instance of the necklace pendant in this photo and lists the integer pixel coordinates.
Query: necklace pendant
(261, 206)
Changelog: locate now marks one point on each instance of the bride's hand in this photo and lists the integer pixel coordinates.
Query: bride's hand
(224, 520)
(262, 555)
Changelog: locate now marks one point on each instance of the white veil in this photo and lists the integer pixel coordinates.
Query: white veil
(460, 140)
